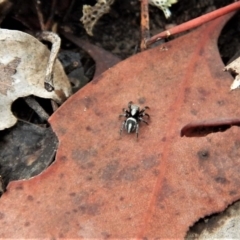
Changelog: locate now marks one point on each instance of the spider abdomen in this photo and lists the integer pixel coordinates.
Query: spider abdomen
(131, 124)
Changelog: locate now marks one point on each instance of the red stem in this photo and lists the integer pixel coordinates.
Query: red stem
(194, 23)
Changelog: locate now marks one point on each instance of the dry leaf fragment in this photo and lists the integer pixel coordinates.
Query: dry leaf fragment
(91, 14)
(23, 63)
(234, 67)
(163, 5)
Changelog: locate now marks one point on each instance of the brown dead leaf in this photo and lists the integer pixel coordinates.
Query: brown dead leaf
(103, 186)
(103, 59)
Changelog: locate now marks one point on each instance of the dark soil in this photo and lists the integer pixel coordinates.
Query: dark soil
(119, 31)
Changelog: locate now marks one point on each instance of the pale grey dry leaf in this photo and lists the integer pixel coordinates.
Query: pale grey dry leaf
(225, 225)
(23, 63)
(7, 71)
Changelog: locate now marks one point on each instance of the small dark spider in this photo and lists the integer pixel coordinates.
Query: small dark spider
(133, 117)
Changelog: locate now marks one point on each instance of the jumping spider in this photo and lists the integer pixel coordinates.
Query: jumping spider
(133, 117)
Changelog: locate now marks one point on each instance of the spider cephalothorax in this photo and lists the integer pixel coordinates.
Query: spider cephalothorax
(133, 117)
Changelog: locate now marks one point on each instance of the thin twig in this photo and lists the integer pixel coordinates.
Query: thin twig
(144, 24)
(40, 15)
(69, 9)
(194, 23)
(54, 106)
(49, 22)
(56, 42)
(32, 103)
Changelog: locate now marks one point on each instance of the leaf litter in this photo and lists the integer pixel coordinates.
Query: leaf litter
(102, 185)
(234, 68)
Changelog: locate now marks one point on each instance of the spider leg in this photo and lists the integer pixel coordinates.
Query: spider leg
(144, 109)
(137, 130)
(123, 115)
(142, 120)
(147, 115)
(121, 129)
(129, 105)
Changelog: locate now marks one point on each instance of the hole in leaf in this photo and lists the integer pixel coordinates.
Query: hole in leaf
(201, 129)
